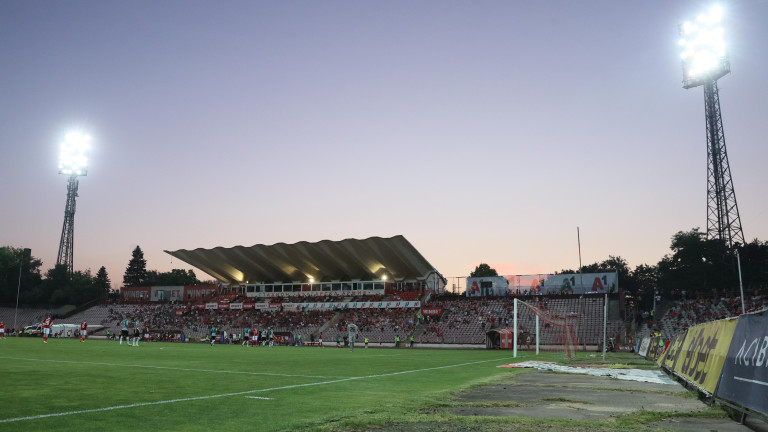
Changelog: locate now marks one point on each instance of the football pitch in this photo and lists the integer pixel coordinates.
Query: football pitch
(102, 385)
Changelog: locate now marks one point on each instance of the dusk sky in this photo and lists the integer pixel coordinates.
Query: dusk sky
(482, 131)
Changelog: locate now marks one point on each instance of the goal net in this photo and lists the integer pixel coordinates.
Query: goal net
(553, 331)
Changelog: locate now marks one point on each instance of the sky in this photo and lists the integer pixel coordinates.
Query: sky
(482, 131)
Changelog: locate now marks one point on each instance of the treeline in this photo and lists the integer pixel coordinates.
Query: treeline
(696, 267)
(22, 272)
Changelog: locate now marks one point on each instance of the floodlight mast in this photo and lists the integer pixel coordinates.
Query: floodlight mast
(73, 161)
(704, 62)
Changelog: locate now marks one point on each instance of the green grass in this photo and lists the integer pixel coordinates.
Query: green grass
(312, 388)
(102, 386)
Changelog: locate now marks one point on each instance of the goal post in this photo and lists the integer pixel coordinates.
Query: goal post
(560, 330)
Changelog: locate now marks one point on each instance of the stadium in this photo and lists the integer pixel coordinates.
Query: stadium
(274, 307)
(284, 152)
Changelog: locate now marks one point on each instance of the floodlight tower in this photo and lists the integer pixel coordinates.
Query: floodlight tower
(704, 62)
(73, 161)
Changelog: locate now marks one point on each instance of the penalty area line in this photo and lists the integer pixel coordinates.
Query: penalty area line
(197, 398)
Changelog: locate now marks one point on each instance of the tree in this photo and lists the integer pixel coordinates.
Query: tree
(754, 267)
(483, 270)
(136, 272)
(175, 277)
(13, 260)
(101, 282)
(697, 265)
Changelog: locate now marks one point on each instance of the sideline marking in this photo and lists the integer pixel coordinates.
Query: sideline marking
(167, 367)
(40, 416)
(258, 397)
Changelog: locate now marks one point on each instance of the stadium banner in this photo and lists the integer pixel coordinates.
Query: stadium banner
(487, 286)
(347, 305)
(248, 306)
(212, 306)
(303, 293)
(136, 293)
(745, 373)
(223, 305)
(644, 345)
(167, 293)
(703, 353)
(432, 311)
(198, 292)
(236, 306)
(669, 358)
(586, 283)
(656, 348)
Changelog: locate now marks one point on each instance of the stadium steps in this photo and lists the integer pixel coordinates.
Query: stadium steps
(328, 323)
(419, 330)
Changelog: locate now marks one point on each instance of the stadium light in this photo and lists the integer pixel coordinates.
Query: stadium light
(73, 157)
(384, 278)
(703, 49)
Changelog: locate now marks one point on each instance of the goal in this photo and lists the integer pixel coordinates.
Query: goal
(532, 324)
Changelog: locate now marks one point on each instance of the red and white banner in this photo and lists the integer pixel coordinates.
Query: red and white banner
(352, 305)
(136, 293)
(434, 311)
(235, 306)
(223, 305)
(316, 293)
(212, 306)
(248, 306)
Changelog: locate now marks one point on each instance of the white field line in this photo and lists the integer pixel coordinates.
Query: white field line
(167, 367)
(241, 393)
(258, 397)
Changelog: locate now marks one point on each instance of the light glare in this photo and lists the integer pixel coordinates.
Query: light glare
(703, 47)
(73, 155)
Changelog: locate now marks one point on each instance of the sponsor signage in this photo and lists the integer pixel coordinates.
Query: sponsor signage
(235, 306)
(212, 306)
(669, 358)
(703, 353)
(745, 372)
(644, 345)
(334, 305)
(196, 292)
(434, 311)
(585, 283)
(136, 294)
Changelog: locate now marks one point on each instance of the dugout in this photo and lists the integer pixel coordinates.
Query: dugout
(500, 338)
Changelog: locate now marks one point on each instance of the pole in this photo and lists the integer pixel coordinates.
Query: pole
(18, 290)
(25, 253)
(741, 284)
(537, 334)
(514, 337)
(605, 323)
(581, 296)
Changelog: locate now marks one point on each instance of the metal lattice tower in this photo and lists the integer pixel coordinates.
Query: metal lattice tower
(67, 243)
(723, 220)
(705, 60)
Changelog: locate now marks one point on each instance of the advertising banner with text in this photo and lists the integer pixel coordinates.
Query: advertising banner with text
(745, 372)
(644, 345)
(703, 353)
(669, 358)
(656, 348)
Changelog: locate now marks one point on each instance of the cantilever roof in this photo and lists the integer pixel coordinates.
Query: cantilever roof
(326, 260)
